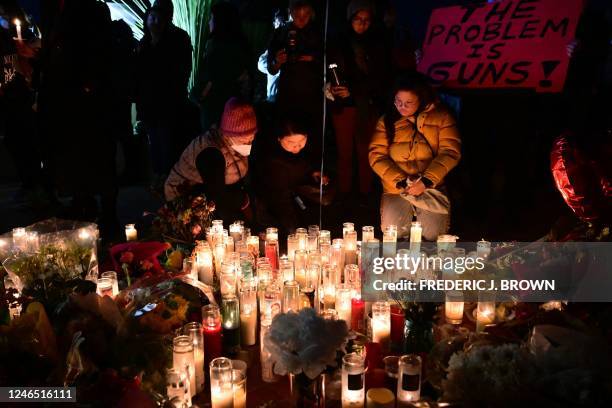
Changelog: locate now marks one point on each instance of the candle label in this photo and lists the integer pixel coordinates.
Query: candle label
(355, 382)
(411, 382)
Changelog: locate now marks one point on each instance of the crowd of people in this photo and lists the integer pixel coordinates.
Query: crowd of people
(71, 96)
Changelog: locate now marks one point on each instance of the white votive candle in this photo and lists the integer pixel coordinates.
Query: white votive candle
(131, 234)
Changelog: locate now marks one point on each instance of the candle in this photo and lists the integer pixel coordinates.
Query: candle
(221, 383)
(367, 233)
(271, 252)
(329, 314)
(272, 234)
(236, 231)
(308, 288)
(343, 302)
(483, 249)
(211, 326)
(300, 264)
(182, 360)
(353, 380)
(253, 246)
(352, 277)
(112, 276)
(248, 315)
(337, 256)
(195, 333)
(228, 280)
(204, 264)
(381, 324)
(445, 243)
(313, 238)
(105, 287)
(350, 247)
(267, 366)
(347, 227)
(390, 241)
(380, 398)
(285, 269)
(217, 226)
(485, 311)
(239, 389)
(230, 313)
(291, 297)
(246, 264)
(131, 234)
(18, 29)
(357, 315)
(416, 232)
(327, 294)
(177, 387)
(272, 301)
(409, 380)
(302, 237)
(397, 325)
(453, 307)
(292, 245)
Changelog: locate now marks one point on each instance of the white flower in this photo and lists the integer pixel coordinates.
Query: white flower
(304, 342)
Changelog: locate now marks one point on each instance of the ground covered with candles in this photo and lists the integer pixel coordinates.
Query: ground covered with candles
(236, 319)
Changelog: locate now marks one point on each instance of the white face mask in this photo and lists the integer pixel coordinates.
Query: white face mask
(242, 149)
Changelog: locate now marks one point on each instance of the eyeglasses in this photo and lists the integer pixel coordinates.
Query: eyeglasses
(402, 104)
(364, 21)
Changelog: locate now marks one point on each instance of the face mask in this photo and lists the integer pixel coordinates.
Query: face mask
(242, 149)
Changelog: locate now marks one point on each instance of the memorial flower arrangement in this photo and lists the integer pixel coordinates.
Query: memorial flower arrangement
(184, 219)
(305, 343)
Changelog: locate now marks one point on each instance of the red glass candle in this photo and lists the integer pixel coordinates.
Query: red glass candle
(211, 324)
(358, 315)
(272, 253)
(397, 325)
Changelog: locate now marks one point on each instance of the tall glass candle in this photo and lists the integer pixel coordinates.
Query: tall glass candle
(217, 226)
(291, 297)
(389, 241)
(272, 301)
(453, 307)
(300, 263)
(239, 389)
(350, 247)
(358, 315)
(177, 387)
(272, 234)
(253, 245)
(236, 231)
(248, 315)
(267, 366)
(211, 326)
(416, 232)
(221, 383)
(325, 236)
(230, 312)
(204, 264)
(302, 237)
(337, 255)
(246, 265)
(367, 233)
(343, 302)
(271, 252)
(131, 234)
(309, 288)
(347, 227)
(352, 277)
(182, 359)
(228, 280)
(195, 333)
(313, 239)
(409, 379)
(292, 245)
(219, 256)
(353, 381)
(381, 324)
(285, 269)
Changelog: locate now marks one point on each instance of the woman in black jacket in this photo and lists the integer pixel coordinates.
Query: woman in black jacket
(286, 175)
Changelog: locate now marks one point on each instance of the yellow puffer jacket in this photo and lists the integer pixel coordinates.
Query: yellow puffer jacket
(432, 152)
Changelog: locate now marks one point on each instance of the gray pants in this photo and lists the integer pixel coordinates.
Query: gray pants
(395, 210)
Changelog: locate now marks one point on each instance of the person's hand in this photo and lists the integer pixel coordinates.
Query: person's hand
(305, 58)
(416, 189)
(341, 91)
(280, 57)
(317, 177)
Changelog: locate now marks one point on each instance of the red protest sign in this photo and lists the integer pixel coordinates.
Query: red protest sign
(505, 44)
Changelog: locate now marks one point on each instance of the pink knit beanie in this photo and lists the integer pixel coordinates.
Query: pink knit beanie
(238, 119)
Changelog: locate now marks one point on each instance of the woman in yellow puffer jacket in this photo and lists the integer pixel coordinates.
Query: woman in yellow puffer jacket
(415, 144)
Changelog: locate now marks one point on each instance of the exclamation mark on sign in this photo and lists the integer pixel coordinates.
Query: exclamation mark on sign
(548, 67)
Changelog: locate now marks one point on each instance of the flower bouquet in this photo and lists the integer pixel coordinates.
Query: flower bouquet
(138, 259)
(185, 219)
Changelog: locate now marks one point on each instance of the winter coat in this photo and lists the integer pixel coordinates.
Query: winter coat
(432, 151)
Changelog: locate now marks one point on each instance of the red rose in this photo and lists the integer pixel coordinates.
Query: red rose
(127, 257)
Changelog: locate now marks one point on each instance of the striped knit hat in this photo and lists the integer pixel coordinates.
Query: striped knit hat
(238, 119)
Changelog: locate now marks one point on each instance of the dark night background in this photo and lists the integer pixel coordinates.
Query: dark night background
(502, 189)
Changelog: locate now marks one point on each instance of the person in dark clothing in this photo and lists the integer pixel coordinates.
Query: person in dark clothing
(225, 72)
(285, 175)
(73, 104)
(216, 163)
(358, 88)
(163, 71)
(295, 52)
